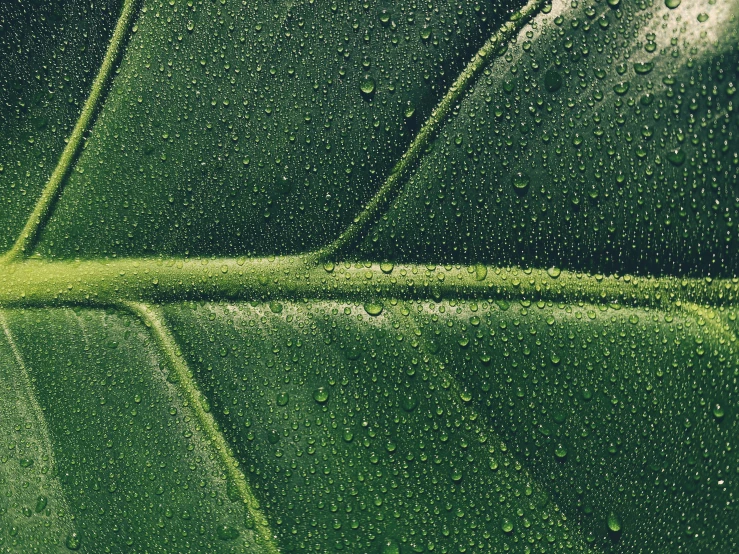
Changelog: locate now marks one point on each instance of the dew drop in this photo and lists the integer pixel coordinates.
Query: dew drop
(367, 87)
(676, 157)
(373, 308)
(621, 88)
(614, 522)
(320, 395)
(643, 68)
(390, 546)
(227, 533)
(507, 525)
(521, 182)
(283, 398)
(73, 541)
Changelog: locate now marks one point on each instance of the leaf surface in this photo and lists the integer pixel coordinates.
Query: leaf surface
(196, 356)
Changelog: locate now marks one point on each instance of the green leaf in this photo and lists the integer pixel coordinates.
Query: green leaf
(292, 277)
(49, 53)
(604, 140)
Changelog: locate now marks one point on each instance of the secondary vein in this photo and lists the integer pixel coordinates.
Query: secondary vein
(27, 238)
(154, 320)
(395, 181)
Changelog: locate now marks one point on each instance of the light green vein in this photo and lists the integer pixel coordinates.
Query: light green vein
(101, 283)
(27, 238)
(400, 171)
(154, 320)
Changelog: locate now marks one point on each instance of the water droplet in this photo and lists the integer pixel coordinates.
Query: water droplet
(554, 272)
(41, 503)
(73, 541)
(560, 451)
(386, 267)
(409, 402)
(373, 308)
(283, 398)
(320, 395)
(521, 182)
(367, 85)
(643, 68)
(676, 157)
(507, 525)
(614, 522)
(718, 411)
(227, 533)
(672, 4)
(621, 88)
(390, 546)
(702, 17)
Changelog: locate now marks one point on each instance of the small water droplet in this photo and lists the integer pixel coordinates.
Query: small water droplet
(367, 85)
(614, 522)
(409, 402)
(227, 533)
(73, 541)
(373, 308)
(283, 398)
(521, 182)
(320, 395)
(507, 525)
(676, 157)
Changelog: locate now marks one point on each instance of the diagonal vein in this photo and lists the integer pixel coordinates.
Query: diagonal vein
(504, 458)
(400, 171)
(27, 238)
(154, 320)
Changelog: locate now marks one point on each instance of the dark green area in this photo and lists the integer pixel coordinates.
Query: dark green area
(358, 429)
(114, 442)
(50, 51)
(259, 128)
(624, 122)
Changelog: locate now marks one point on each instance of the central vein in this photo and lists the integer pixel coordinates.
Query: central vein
(99, 283)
